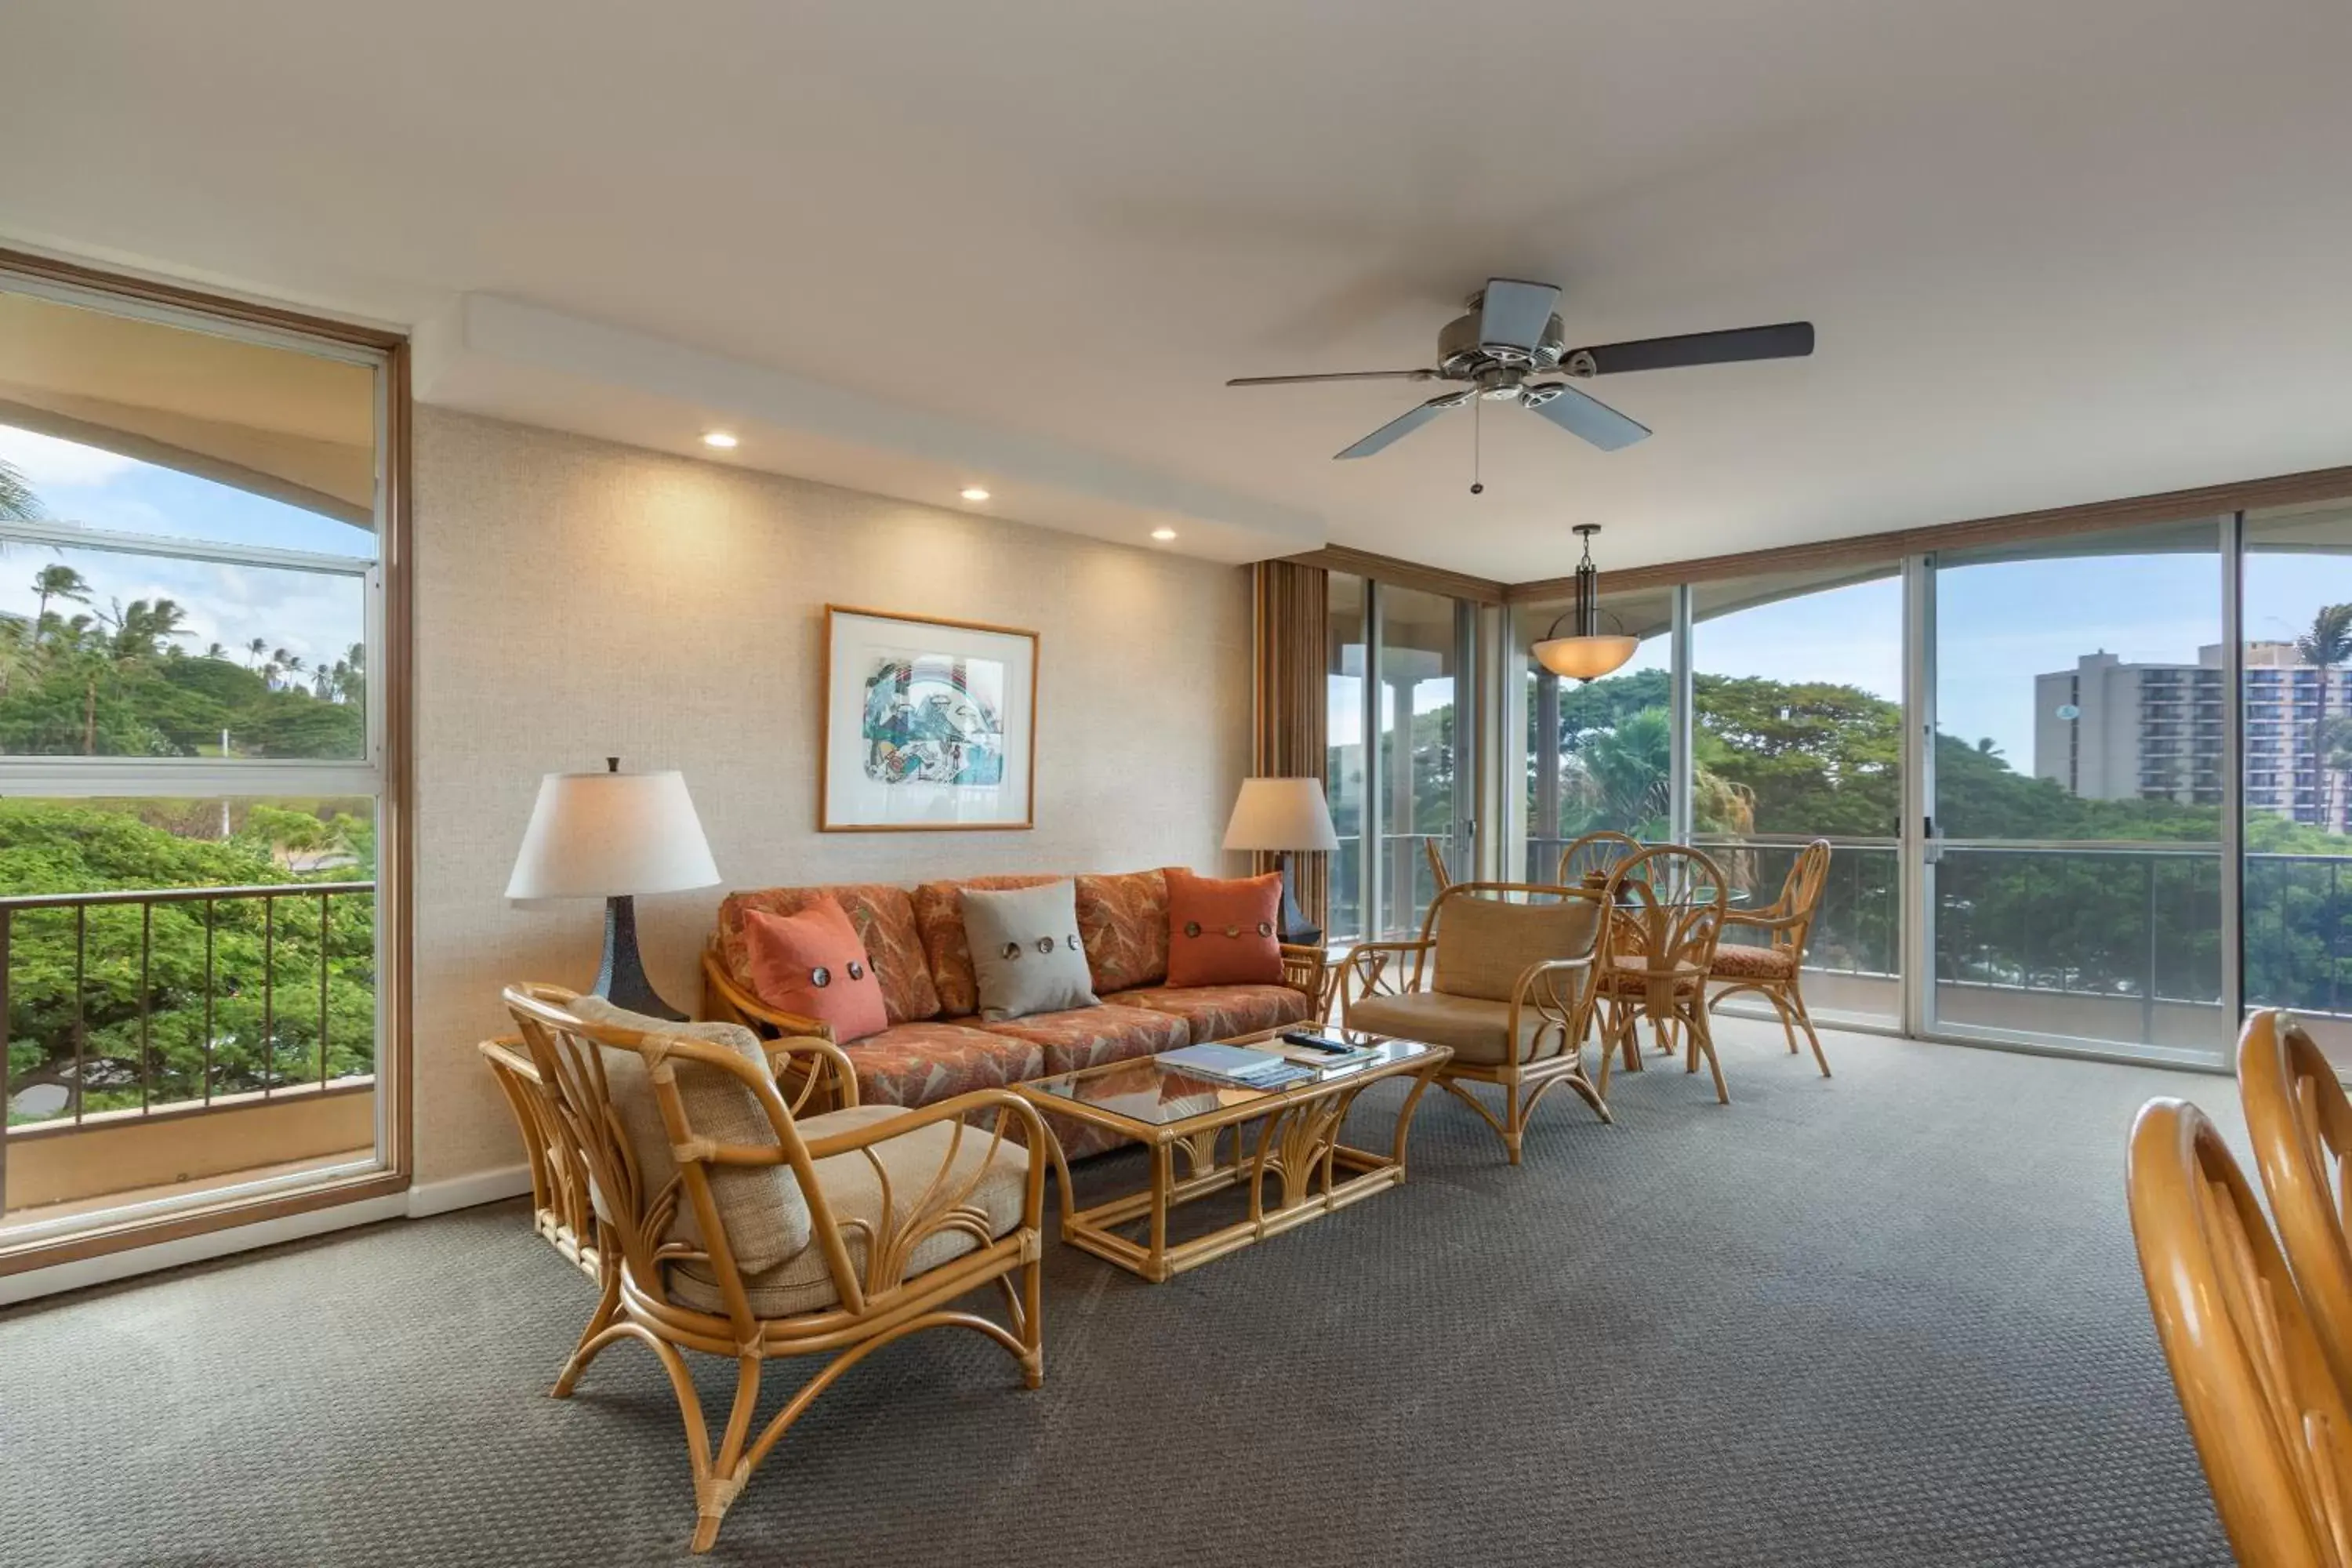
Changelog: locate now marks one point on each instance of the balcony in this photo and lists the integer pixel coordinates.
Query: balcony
(163, 1039)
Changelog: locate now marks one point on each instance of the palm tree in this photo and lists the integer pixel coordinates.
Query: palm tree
(57, 583)
(18, 502)
(216, 651)
(254, 651)
(2327, 644)
(16, 649)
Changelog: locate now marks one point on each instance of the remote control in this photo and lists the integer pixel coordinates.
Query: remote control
(1318, 1042)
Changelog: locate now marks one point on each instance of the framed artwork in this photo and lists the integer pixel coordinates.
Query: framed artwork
(930, 725)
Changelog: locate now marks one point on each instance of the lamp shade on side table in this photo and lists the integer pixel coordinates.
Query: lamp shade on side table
(612, 835)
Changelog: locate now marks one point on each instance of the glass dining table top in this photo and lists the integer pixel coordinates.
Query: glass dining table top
(1145, 1091)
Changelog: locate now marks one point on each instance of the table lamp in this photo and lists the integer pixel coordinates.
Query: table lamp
(612, 835)
(1283, 817)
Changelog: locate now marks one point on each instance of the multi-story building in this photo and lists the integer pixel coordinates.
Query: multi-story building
(2112, 731)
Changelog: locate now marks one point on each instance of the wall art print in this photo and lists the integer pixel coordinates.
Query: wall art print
(929, 724)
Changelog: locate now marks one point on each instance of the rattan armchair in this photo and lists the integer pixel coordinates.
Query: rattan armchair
(1666, 909)
(1595, 855)
(2301, 1124)
(1505, 983)
(2270, 1422)
(738, 1231)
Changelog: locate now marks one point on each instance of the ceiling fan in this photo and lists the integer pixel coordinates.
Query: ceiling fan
(1511, 336)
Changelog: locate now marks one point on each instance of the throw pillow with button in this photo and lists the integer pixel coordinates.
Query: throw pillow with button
(1221, 929)
(812, 963)
(1025, 950)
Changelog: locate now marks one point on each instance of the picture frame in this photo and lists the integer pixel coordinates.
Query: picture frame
(931, 725)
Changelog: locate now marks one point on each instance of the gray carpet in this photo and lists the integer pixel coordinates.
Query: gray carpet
(1888, 1319)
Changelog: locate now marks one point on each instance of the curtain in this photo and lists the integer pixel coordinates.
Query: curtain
(1288, 705)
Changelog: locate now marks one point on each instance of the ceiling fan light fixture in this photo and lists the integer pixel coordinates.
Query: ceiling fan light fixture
(1587, 653)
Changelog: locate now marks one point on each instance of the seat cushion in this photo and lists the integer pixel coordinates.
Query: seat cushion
(1485, 944)
(916, 1064)
(1086, 1037)
(938, 917)
(884, 919)
(1220, 1012)
(1478, 1028)
(1737, 963)
(804, 1282)
(766, 1218)
(1628, 972)
(1123, 919)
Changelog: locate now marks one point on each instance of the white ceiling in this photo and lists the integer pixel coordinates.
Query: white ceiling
(2054, 252)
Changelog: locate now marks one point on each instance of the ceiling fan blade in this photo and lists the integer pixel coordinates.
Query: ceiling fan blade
(1405, 424)
(1590, 417)
(1513, 315)
(1789, 340)
(1335, 375)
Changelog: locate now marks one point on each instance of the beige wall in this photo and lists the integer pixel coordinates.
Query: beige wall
(576, 598)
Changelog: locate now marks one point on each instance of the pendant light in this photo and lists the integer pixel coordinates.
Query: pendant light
(1587, 652)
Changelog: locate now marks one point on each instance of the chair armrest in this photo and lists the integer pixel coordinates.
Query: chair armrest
(1540, 984)
(821, 1056)
(1303, 968)
(1366, 962)
(1765, 920)
(1040, 1141)
(728, 1003)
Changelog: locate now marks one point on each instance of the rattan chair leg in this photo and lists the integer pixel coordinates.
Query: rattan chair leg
(1805, 1017)
(592, 1339)
(1703, 1044)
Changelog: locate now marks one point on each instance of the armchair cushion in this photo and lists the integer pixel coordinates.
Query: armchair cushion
(1485, 944)
(884, 917)
(1478, 1030)
(1740, 962)
(1124, 922)
(915, 1064)
(1220, 1012)
(813, 964)
(938, 915)
(1086, 1037)
(765, 1217)
(805, 1283)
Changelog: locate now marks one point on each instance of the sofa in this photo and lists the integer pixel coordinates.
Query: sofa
(936, 1045)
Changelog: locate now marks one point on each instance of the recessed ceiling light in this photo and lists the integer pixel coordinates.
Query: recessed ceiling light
(973, 492)
(719, 438)
(1163, 534)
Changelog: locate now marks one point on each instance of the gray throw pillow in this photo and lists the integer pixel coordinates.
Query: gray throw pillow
(1025, 950)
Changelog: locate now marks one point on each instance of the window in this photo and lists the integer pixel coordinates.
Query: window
(1599, 754)
(191, 756)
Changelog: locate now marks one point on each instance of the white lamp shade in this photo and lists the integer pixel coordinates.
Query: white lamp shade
(597, 836)
(1281, 814)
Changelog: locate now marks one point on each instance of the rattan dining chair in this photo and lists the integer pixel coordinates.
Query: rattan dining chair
(1436, 859)
(742, 1232)
(1502, 973)
(1595, 854)
(1665, 909)
(2300, 1122)
(1774, 968)
(2270, 1422)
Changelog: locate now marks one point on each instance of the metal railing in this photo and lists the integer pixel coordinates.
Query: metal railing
(107, 988)
(1406, 886)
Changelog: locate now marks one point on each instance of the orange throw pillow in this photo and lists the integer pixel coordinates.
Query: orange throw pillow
(812, 963)
(1221, 929)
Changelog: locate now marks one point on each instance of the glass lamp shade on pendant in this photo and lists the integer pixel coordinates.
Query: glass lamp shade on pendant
(1587, 652)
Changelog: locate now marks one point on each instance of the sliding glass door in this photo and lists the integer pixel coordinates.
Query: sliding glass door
(2078, 775)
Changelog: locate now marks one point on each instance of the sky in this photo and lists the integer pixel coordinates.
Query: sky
(313, 615)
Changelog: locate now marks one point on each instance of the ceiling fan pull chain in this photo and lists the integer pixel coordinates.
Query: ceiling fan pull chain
(1477, 486)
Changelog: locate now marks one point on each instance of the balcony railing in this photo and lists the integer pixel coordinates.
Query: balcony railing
(136, 1003)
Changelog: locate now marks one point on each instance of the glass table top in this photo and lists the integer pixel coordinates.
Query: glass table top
(1146, 1091)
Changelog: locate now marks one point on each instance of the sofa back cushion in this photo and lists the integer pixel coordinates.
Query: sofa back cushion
(1485, 944)
(884, 917)
(1123, 921)
(938, 917)
(1222, 929)
(812, 963)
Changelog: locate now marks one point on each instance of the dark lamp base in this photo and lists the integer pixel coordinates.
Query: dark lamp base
(1296, 930)
(621, 979)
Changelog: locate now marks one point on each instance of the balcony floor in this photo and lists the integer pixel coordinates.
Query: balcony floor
(1892, 1317)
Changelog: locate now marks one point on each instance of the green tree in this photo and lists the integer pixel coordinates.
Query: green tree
(18, 502)
(2327, 645)
(61, 583)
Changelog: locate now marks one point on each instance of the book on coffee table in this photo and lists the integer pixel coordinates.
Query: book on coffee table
(1236, 1064)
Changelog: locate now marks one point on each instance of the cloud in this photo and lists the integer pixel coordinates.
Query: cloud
(45, 460)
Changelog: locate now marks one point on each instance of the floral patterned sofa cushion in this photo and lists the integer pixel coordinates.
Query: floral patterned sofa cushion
(1222, 1012)
(916, 1064)
(1123, 919)
(938, 917)
(884, 918)
(1088, 1036)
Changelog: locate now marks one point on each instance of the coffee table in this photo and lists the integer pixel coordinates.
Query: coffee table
(1289, 1137)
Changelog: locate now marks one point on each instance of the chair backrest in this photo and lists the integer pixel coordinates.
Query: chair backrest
(1482, 936)
(2270, 1424)
(1595, 852)
(1666, 906)
(1800, 898)
(723, 1148)
(2300, 1122)
(1436, 859)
